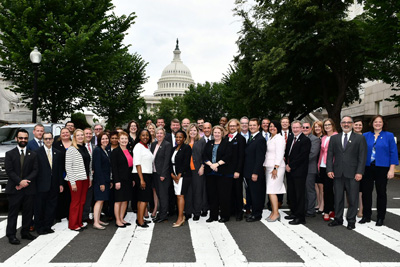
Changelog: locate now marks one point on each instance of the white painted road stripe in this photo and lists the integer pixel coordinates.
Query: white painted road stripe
(394, 211)
(313, 249)
(3, 226)
(43, 249)
(213, 245)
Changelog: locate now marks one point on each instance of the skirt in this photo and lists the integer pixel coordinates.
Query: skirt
(146, 194)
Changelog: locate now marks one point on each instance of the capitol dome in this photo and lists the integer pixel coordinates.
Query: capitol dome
(175, 78)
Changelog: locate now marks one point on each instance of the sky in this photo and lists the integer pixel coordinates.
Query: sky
(207, 32)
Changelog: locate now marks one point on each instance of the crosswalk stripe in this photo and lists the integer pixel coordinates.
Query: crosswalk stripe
(3, 226)
(314, 250)
(213, 244)
(394, 211)
(46, 247)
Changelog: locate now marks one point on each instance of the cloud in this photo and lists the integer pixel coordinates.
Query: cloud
(207, 32)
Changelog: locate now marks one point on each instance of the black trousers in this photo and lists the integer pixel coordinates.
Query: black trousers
(296, 188)
(45, 209)
(15, 202)
(89, 203)
(328, 191)
(63, 202)
(237, 196)
(377, 175)
(219, 195)
(257, 191)
(162, 190)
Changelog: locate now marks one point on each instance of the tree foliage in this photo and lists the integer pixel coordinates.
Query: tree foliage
(76, 39)
(170, 108)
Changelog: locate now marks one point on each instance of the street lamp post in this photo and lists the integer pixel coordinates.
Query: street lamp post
(35, 58)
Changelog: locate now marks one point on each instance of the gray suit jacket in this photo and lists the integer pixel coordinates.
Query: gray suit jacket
(314, 154)
(162, 158)
(197, 153)
(347, 162)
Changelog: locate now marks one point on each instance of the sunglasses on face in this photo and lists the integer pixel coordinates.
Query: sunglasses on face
(22, 138)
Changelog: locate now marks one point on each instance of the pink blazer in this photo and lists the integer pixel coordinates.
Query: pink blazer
(323, 153)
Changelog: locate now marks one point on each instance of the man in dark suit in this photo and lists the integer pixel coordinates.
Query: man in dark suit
(345, 164)
(37, 140)
(311, 194)
(296, 157)
(170, 137)
(22, 168)
(253, 171)
(98, 128)
(48, 185)
(207, 128)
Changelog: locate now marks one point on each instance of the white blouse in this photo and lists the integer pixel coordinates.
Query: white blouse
(142, 156)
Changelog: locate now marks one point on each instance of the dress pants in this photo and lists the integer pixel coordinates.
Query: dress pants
(379, 176)
(219, 195)
(15, 201)
(88, 204)
(351, 186)
(311, 194)
(237, 196)
(45, 209)
(162, 190)
(63, 202)
(257, 191)
(296, 188)
(194, 198)
(78, 200)
(328, 191)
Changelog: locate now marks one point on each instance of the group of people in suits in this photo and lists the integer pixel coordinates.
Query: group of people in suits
(197, 169)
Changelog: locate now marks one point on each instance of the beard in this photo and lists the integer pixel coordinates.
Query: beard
(22, 144)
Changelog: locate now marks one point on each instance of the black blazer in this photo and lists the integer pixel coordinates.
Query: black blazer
(254, 156)
(49, 177)
(298, 158)
(182, 160)
(101, 165)
(60, 147)
(238, 144)
(224, 152)
(168, 138)
(13, 170)
(162, 158)
(131, 142)
(119, 166)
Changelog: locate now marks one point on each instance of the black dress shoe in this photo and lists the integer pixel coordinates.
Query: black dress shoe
(204, 214)
(364, 220)
(144, 225)
(188, 216)
(247, 214)
(253, 219)
(335, 223)
(379, 222)
(127, 224)
(196, 217)
(159, 220)
(351, 226)
(120, 226)
(49, 231)
(28, 236)
(210, 220)
(290, 217)
(297, 221)
(13, 240)
(222, 220)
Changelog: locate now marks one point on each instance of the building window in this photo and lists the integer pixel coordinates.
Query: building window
(378, 107)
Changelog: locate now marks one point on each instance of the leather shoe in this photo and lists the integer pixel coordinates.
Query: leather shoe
(13, 240)
(253, 219)
(351, 226)
(247, 214)
(364, 220)
(290, 217)
(188, 216)
(28, 236)
(379, 222)
(204, 214)
(297, 221)
(210, 220)
(222, 220)
(159, 220)
(196, 217)
(49, 231)
(335, 223)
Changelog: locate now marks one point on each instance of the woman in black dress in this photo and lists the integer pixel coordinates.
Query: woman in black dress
(101, 178)
(181, 173)
(122, 163)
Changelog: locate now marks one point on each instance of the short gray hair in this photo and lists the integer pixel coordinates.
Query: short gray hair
(160, 128)
(296, 121)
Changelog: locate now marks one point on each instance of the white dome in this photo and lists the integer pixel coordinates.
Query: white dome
(175, 78)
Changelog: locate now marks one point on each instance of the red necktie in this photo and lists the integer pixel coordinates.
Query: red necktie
(285, 137)
(230, 135)
(90, 150)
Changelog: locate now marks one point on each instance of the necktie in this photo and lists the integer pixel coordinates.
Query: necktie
(294, 141)
(345, 141)
(49, 158)
(251, 138)
(40, 143)
(89, 148)
(266, 137)
(230, 135)
(285, 137)
(22, 158)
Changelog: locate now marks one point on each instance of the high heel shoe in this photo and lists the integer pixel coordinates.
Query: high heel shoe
(271, 220)
(332, 214)
(144, 225)
(326, 217)
(175, 225)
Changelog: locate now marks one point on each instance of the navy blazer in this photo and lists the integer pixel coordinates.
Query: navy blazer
(13, 169)
(182, 160)
(385, 149)
(49, 177)
(224, 153)
(255, 156)
(101, 165)
(32, 145)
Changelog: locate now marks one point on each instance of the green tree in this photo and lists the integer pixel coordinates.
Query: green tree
(76, 39)
(297, 56)
(205, 101)
(79, 120)
(117, 95)
(169, 109)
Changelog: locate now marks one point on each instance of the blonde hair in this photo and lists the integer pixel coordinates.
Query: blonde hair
(220, 128)
(187, 141)
(74, 142)
(237, 123)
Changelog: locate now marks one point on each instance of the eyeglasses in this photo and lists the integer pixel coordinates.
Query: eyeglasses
(306, 127)
(22, 138)
(327, 124)
(346, 122)
(98, 129)
(47, 139)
